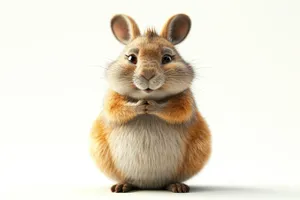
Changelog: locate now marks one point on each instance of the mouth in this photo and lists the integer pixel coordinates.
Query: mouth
(148, 90)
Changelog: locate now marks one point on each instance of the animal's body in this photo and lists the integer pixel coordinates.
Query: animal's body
(150, 134)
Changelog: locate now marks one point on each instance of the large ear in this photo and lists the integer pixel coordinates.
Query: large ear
(176, 28)
(124, 28)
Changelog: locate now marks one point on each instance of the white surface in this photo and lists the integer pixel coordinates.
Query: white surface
(200, 192)
(52, 57)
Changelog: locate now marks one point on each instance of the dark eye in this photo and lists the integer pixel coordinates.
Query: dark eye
(132, 58)
(166, 59)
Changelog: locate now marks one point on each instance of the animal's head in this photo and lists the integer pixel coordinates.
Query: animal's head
(150, 67)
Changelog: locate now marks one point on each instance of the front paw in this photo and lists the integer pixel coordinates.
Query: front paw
(153, 107)
(139, 107)
(146, 106)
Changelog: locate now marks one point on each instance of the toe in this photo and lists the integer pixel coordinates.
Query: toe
(113, 188)
(119, 188)
(185, 188)
(178, 186)
(127, 187)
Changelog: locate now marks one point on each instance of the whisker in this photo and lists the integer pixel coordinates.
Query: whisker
(109, 59)
(103, 67)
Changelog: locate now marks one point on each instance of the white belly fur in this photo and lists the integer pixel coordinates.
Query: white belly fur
(148, 151)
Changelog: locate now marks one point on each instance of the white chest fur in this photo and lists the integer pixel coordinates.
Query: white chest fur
(148, 151)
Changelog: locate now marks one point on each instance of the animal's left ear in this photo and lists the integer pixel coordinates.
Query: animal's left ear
(177, 28)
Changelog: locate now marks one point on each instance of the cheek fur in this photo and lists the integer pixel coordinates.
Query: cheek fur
(127, 70)
(178, 75)
(168, 67)
(120, 77)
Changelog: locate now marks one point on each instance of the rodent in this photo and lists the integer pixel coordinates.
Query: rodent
(150, 134)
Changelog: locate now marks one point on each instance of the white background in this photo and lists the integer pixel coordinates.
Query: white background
(52, 59)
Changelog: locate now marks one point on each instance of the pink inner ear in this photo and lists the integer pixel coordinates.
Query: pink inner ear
(120, 29)
(183, 30)
(180, 29)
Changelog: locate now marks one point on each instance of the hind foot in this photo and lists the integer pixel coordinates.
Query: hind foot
(121, 187)
(178, 188)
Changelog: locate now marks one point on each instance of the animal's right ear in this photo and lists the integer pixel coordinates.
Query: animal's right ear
(124, 28)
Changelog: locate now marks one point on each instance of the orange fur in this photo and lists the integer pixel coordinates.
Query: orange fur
(198, 148)
(178, 109)
(152, 52)
(100, 150)
(116, 110)
(165, 30)
(135, 31)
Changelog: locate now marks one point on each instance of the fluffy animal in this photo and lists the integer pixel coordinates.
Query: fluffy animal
(150, 134)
